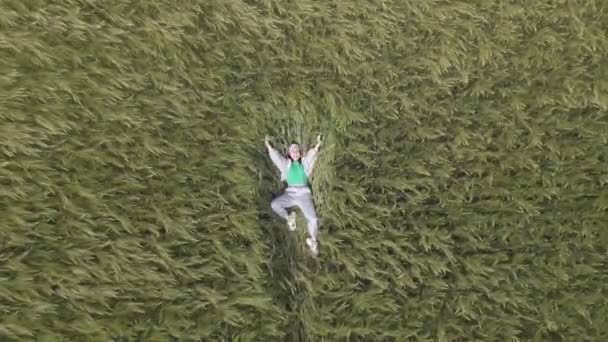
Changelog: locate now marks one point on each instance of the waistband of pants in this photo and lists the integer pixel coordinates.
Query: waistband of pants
(298, 188)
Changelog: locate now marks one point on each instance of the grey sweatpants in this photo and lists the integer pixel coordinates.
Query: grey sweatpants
(301, 197)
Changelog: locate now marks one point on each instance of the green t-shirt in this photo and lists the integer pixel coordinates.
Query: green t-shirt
(296, 174)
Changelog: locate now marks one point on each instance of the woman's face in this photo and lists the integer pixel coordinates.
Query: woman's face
(294, 152)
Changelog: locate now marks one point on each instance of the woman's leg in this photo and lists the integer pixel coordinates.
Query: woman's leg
(305, 203)
(307, 206)
(280, 205)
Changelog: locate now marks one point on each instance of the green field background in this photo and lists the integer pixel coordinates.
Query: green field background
(461, 186)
